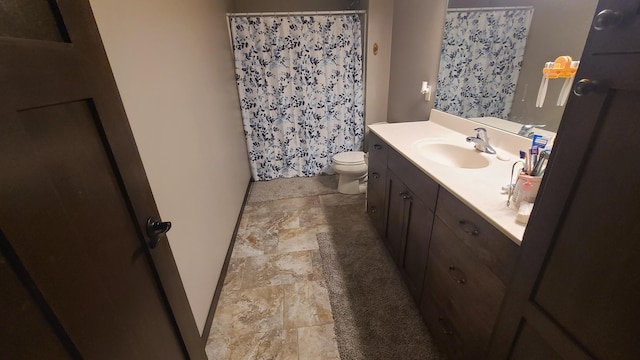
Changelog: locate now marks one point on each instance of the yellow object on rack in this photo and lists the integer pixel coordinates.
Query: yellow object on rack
(563, 67)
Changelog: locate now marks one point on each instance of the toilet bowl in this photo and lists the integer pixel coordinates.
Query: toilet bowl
(352, 169)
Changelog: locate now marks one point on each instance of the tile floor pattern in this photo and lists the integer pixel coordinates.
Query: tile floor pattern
(274, 303)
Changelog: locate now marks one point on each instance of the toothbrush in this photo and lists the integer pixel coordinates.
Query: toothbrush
(538, 170)
(566, 88)
(542, 92)
(564, 93)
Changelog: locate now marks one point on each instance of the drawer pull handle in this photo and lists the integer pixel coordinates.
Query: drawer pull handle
(469, 228)
(375, 175)
(457, 275)
(377, 146)
(444, 326)
(373, 210)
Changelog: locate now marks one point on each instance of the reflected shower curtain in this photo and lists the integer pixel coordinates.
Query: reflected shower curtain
(301, 91)
(480, 61)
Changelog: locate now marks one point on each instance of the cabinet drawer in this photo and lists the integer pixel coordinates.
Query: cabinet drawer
(376, 149)
(417, 181)
(490, 246)
(441, 328)
(464, 288)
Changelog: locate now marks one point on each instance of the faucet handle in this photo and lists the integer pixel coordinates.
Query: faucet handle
(481, 133)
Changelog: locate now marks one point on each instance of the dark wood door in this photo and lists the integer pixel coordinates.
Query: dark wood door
(408, 233)
(395, 216)
(78, 278)
(576, 289)
(415, 244)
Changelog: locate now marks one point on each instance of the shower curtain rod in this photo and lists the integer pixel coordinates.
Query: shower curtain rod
(498, 8)
(289, 13)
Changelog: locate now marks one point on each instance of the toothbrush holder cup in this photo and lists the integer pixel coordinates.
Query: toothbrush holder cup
(526, 190)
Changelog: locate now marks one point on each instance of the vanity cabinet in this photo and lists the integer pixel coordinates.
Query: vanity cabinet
(468, 267)
(400, 201)
(456, 265)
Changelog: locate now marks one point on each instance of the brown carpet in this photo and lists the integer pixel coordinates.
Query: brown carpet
(375, 317)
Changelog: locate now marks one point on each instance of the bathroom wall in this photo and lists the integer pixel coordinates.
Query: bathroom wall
(415, 56)
(549, 36)
(380, 22)
(173, 65)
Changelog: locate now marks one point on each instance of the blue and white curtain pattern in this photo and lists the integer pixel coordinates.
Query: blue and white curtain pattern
(480, 61)
(301, 91)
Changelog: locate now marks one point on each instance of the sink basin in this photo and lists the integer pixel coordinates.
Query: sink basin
(451, 155)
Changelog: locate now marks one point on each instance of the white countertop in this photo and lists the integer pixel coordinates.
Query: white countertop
(480, 189)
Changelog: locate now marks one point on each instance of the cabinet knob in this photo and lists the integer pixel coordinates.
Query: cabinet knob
(373, 210)
(377, 146)
(607, 19)
(375, 175)
(457, 275)
(469, 228)
(405, 195)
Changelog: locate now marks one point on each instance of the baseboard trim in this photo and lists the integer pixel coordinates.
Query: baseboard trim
(225, 267)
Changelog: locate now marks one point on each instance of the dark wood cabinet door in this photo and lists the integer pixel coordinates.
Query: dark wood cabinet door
(74, 201)
(396, 206)
(415, 252)
(409, 222)
(576, 289)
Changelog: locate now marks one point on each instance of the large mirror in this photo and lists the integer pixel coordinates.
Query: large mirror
(492, 57)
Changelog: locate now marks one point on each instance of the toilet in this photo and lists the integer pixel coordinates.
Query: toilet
(352, 168)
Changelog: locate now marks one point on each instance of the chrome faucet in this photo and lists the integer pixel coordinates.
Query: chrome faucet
(527, 130)
(481, 141)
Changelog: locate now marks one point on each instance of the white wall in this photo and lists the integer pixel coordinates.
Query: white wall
(380, 20)
(415, 56)
(173, 65)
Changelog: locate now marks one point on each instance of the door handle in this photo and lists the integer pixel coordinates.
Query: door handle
(607, 19)
(156, 229)
(584, 87)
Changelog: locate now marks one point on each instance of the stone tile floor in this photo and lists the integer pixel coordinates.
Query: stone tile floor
(274, 303)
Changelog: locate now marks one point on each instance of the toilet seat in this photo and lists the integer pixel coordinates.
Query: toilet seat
(349, 158)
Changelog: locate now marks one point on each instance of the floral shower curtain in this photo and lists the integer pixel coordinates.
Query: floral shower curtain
(480, 61)
(301, 91)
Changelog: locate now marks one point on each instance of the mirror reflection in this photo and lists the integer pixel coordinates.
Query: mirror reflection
(492, 56)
